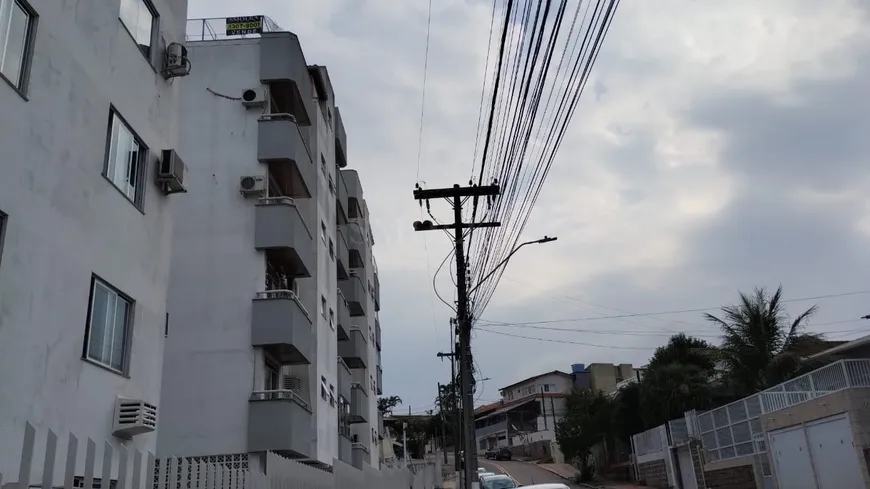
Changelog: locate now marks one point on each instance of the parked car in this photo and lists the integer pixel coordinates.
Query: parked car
(547, 486)
(498, 481)
(503, 453)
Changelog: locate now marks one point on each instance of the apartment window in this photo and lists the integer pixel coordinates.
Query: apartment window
(140, 19)
(125, 159)
(2, 233)
(323, 306)
(110, 317)
(331, 185)
(324, 392)
(546, 387)
(331, 249)
(332, 319)
(323, 232)
(272, 380)
(17, 25)
(322, 164)
(331, 395)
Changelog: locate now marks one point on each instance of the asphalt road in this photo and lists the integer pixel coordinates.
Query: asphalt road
(524, 473)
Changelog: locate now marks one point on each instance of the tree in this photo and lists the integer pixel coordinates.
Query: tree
(587, 422)
(684, 350)
(761, 345)
(387, 404)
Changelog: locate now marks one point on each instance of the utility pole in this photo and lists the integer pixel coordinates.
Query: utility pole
(457, 426)
(457, 194)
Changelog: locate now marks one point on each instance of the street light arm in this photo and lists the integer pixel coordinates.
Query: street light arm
(545, 239)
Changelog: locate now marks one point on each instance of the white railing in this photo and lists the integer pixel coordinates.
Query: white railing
(679, 431)
(283, 294)
(49, 461)
(215, 28)
(278, 394)
(276, 201)
(734, 430)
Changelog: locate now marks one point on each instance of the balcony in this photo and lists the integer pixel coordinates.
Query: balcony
(282, 327)
(343, 258)
(359, 405)
(280, 145)
(279, 421)
(343, 315)
(354, 194)
(345, 453)
(280, 229)
(380, 381)
(345, 380)
(283, 68)
(340, 140)
(354, 351)
(355, 293)
(340, 199)
(360, 455)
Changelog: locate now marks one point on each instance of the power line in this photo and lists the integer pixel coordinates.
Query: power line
(647, 348)
(700, 334)
(679, 311)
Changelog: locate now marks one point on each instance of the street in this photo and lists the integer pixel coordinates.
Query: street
(525, 473)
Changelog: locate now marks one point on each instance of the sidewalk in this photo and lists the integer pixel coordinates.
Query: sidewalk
(567, 471)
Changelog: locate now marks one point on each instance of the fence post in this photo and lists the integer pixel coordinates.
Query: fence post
(846, 374)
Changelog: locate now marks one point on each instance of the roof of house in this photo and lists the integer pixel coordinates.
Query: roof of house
(554, 372)
(487, 407)
(835, 347)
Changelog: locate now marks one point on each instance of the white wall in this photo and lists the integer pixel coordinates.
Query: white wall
(215, 268)
(326, 283)
(66, 222)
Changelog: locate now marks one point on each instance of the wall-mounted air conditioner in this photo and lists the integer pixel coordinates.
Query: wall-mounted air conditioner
(175, 61)
(291, 383)
(254, 97)
(171, 173)
(133, 417)
(252, 185)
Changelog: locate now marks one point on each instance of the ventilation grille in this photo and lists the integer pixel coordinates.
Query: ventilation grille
(293, 384)
(134, 417)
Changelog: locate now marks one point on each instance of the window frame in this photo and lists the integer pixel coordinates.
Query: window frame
(138, 200)
(4, 219)
(273, 368)
(150, 56)
(128, 327)
(27, 53)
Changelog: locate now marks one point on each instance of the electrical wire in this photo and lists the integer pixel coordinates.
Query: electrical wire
(678, 311)
(550, 340)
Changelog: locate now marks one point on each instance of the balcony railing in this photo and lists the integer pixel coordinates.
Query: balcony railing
(735, 430)
(279, 394)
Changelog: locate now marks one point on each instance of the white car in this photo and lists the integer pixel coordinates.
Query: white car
(481, 470)
(481, 475)
(547, 486)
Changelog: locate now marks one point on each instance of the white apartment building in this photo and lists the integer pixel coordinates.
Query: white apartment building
(85, 226)
(273, 337)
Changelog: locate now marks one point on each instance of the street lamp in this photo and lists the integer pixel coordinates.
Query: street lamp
(545, 239)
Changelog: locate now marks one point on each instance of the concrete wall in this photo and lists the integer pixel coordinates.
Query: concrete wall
(66, 222)
(563, 384)
(217, 270)
(735, 473)
(653, 473)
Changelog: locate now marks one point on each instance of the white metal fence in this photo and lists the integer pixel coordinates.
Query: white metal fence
(650, 441)
(57, 465)
(734, 430)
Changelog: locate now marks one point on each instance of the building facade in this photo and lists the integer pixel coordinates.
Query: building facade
(85, 229)
(526, 416)
(274, 299)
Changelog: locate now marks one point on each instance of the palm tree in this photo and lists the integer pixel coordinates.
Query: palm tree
(761, 345)
(684, 350)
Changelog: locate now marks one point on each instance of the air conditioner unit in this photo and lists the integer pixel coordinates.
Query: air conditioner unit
(252, 185)
(175, 61)
(292, 384)
(171, 173)
(254, 97)
(133, 417)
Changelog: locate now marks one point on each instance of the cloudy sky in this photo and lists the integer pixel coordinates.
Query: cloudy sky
(717, 148)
